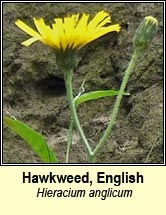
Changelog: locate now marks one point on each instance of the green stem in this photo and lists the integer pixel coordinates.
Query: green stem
(91, 158)
(69, 141)
(68, 82)
(118, 100)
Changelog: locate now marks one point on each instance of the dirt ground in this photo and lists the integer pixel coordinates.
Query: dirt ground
(34, 90)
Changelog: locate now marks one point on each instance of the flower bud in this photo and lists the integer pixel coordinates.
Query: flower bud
(145, 32)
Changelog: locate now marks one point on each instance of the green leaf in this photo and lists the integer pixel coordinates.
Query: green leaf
(34, 139)
(95, 95)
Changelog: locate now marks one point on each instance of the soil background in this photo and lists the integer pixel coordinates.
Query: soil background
(34, 90)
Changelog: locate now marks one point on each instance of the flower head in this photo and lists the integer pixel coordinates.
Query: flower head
(69, 33)
(145, 32)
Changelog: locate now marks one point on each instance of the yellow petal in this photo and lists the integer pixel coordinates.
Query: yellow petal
(59, 25)
(79, 33)
(82, 23)
(27, 29)
(106, 30)
(99, 32)
(43, 29)
(29, 41)
(48, 35)
(104, 22)
(99, 17)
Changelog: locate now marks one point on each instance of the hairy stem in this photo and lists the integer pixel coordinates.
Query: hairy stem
(68, 82)
(69, 141)
(118, 100)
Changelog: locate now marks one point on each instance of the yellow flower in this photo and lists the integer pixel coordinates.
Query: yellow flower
(71, 32)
